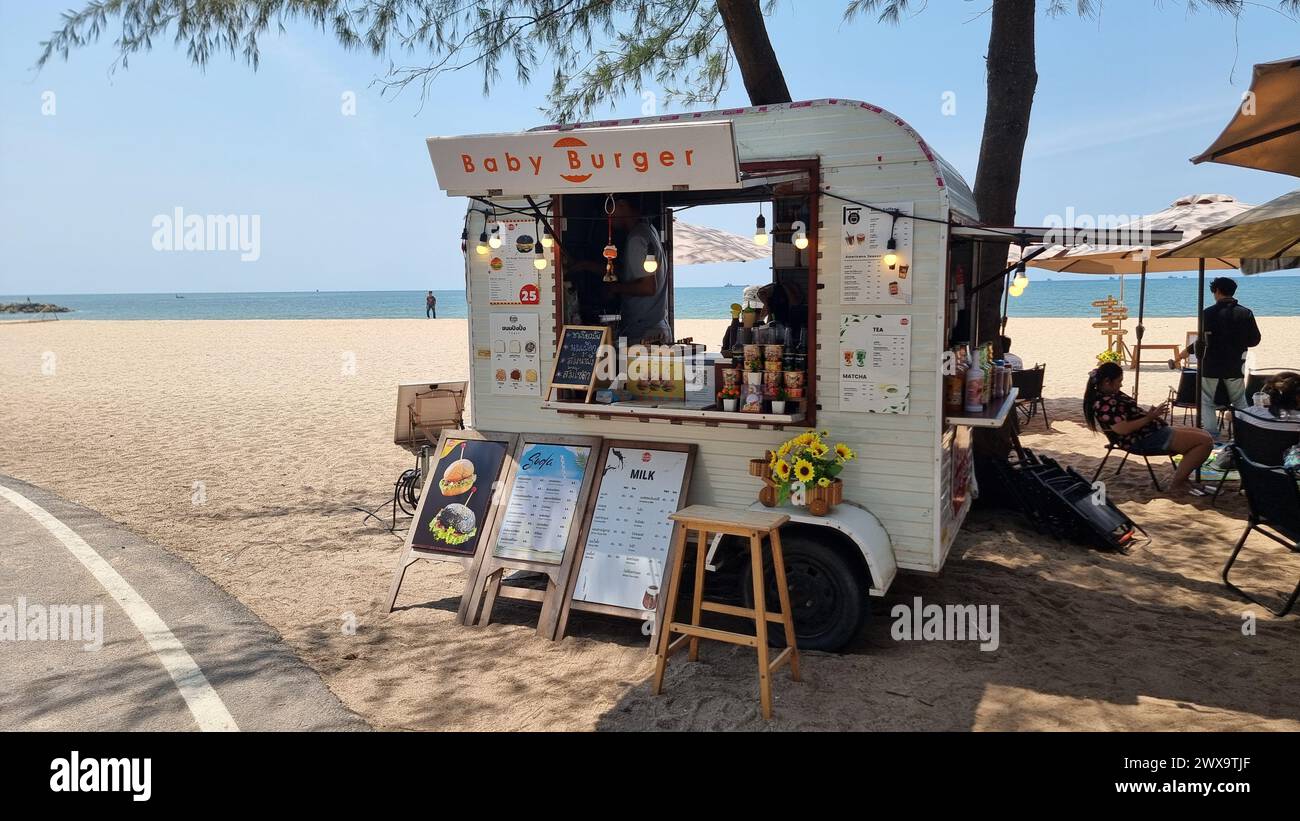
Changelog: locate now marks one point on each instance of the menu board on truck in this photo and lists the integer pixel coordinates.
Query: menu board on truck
(512, 277)
(865, 276)
(875, 363)
(516, 354)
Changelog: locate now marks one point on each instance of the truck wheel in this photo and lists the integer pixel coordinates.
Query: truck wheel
(826, 595)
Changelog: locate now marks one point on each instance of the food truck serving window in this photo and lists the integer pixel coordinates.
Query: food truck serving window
(617, 270)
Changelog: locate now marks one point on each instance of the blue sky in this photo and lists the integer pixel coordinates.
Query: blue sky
(350, 203)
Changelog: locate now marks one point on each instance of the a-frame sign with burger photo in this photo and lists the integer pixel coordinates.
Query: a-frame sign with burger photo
(458, 505)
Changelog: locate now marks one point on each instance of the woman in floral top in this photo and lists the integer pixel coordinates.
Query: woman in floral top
(1106, 407)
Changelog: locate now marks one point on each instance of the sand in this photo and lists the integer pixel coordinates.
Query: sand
(243, 447)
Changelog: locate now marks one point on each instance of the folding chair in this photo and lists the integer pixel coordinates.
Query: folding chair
(1263, 445)
(1030, 399)
(1112, 444)
(1274, 499)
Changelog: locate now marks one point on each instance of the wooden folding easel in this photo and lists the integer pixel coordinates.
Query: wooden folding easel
(487, 586)
(467, 559)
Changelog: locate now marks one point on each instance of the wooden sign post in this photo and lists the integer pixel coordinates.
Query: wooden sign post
(458, 505)
(628, 538)
(1113, 314)
(538, 528)
(576, 358)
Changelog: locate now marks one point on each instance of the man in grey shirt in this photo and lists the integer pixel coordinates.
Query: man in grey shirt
(644, 294)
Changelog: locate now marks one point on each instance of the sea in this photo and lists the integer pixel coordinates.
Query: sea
(1171, 297)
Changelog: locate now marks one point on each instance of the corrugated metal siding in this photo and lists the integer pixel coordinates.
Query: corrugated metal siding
(865, 156)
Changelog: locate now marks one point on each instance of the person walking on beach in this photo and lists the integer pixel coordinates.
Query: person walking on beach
(430, 306)
(1230, 330)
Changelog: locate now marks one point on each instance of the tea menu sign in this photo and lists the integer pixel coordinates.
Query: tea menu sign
(875, 363)
(516, 354)
(865, 279)
(629, 534)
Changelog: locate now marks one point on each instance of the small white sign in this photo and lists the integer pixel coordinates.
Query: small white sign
(698, 155)
(875, 363)
(865, 276)
(516, 355)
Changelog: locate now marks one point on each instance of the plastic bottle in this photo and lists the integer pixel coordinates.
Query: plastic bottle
(975, 388)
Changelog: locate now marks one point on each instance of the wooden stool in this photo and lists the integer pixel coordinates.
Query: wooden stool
(751, 524)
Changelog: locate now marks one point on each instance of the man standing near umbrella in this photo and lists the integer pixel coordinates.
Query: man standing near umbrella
(1230, 330)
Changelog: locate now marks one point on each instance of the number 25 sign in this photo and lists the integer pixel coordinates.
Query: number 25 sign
(530, 295)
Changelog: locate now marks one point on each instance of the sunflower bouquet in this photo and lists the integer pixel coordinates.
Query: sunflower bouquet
(807, 463)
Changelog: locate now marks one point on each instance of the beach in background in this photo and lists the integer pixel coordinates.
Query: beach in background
(243, 446)
(1171, 297)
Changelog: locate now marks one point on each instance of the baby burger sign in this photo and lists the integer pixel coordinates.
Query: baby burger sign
(696, 155)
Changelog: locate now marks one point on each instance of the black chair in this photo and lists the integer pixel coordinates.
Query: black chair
(1186, 399)
(1274, 499)
(1112, 444)
(1030, 399)
(1265, 446)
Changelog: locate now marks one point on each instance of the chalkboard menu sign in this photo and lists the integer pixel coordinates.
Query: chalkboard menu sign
(576, 357)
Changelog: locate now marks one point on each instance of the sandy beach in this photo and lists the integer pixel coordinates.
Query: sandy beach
(243, 446)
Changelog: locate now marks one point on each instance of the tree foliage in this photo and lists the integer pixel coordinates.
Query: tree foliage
(598, 50)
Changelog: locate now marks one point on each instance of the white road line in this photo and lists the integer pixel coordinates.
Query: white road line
(203, 701)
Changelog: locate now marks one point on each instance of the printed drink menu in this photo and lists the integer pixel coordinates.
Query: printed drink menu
(627, 545)
(543, 503)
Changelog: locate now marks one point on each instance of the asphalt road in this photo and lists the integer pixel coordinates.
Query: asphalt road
(177, 653)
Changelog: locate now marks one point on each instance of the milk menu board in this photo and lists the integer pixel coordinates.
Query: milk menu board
(627, 543)
(875, 363)
(456, 498)
(577, 355)
(865, 279)
(543, 503)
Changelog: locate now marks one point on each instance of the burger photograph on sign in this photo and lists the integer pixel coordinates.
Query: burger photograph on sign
(458, 495)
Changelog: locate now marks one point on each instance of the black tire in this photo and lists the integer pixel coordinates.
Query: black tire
(827, 594)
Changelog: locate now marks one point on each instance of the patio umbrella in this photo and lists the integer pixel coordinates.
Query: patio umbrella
(1192, 215)
(1266, 237)
(699, 244)
(1265, 133)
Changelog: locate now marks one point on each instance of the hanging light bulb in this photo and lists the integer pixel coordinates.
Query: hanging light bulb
(547, 239)
(651, 263)
(1016, 290)
(482, 247)
(1022, 279)
(760, 229)
(494, 241)
(539, 261)
(891, 255)
(800, 234)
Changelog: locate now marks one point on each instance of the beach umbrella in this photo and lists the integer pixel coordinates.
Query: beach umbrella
(1192, 215)
(699, 244)
(1265, 238)
(1265, 133)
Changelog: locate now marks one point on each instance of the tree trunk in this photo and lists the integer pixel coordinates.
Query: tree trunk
(1012, 77)
(754, 53)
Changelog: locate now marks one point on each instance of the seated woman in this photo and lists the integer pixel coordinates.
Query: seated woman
(1141, 431)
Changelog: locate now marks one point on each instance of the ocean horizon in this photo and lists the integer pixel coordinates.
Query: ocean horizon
(1166, 297)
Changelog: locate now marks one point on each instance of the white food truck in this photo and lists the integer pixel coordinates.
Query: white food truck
(874, 240)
